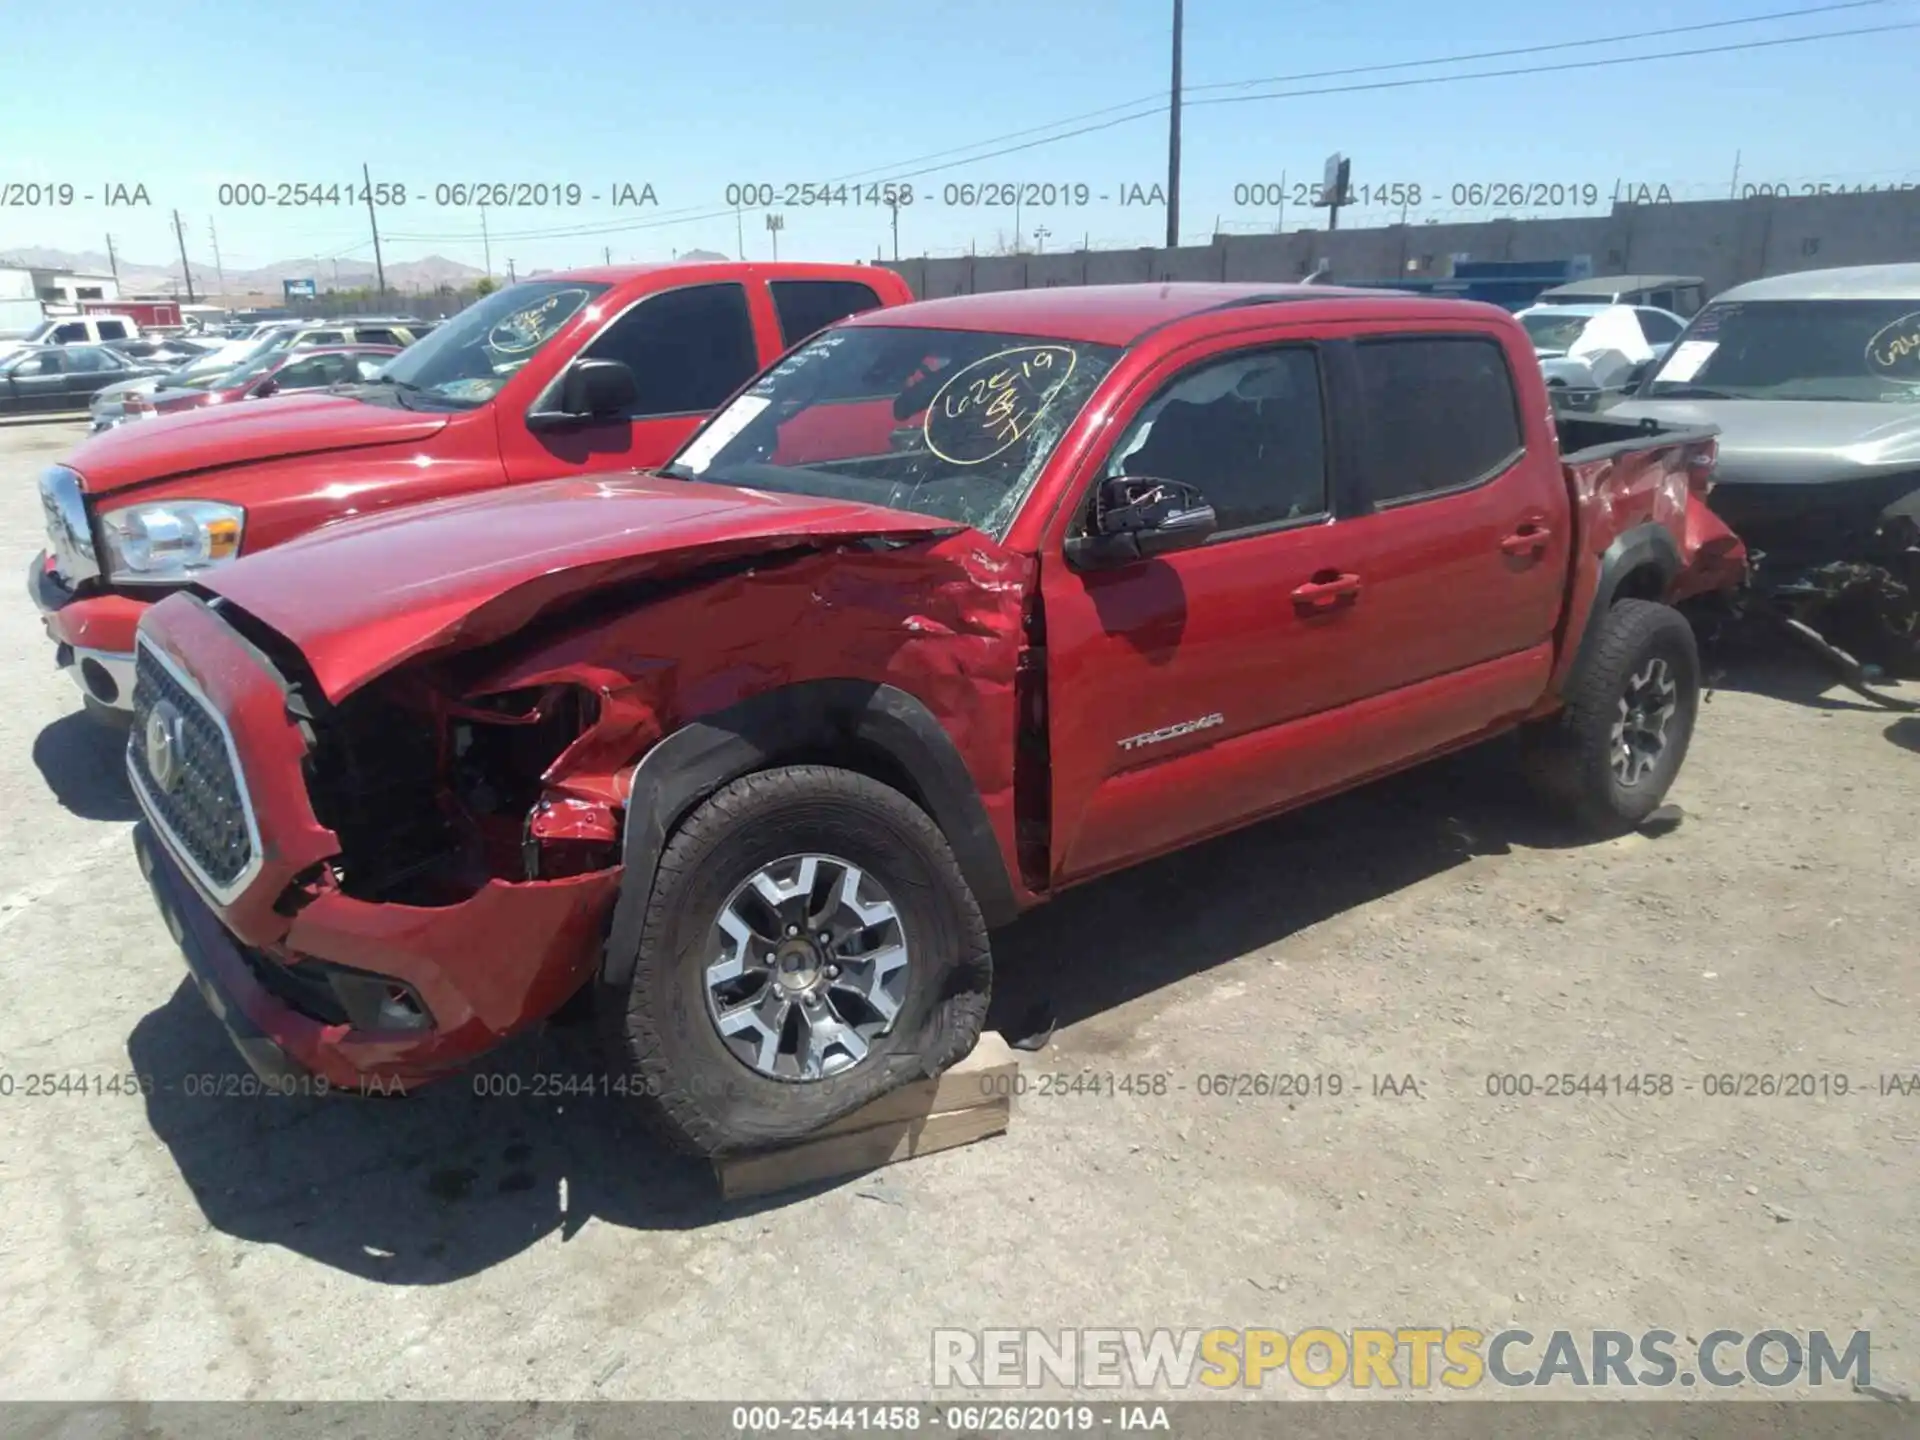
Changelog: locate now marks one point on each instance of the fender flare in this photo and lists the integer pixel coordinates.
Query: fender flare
(700, 757)
(1632, 549)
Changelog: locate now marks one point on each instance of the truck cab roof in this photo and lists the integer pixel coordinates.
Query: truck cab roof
(1125, 314)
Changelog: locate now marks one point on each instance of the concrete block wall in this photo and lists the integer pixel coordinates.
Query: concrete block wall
(1724, 241)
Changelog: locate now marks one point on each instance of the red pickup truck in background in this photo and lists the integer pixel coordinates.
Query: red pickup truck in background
(606, 369)
(958, 605)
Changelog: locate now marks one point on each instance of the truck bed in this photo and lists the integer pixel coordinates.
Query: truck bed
(1586, 438)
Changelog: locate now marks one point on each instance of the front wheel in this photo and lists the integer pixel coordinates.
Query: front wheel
(809, 944)
(1608, 759)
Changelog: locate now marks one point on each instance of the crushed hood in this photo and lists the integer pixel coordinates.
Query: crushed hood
(364, 596)
(1795, 442)
(241, 434)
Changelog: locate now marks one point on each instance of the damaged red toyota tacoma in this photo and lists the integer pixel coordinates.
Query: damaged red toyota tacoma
(577, 373)
(957, 605)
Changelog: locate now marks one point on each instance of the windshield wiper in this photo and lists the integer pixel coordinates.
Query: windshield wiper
(401, 388)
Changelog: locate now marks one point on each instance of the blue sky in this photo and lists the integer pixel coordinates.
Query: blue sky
(690, 98)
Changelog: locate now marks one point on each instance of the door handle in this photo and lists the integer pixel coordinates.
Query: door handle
(1528, 541)
(1327, 589)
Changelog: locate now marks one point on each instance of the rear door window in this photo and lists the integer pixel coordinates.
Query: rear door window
(113, 330)
(75, 334)
(314, 371)
(85, 360)
(1659, 329)
(688, 349)
(1441, 414)
(807, 306)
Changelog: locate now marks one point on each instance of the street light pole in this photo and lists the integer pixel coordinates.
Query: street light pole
(1173, 134)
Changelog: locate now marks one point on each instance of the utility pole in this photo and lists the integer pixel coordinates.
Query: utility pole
(739, 235)
(336, 273)
(113, 261)
(608, 252)
(894, 205)
(1280, 220)
(186, 271)
(1733, 190)
(1173, 135)
(486, 243)
(218, 269)
(775, 224)
(379, 265)
(510, 279)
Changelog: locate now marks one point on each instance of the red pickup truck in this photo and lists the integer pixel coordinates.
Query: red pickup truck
(957, 605)
(562, 375)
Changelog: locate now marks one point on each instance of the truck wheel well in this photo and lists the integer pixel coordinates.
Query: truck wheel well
(863, 759)
(1639, 565)
(876, 730)
(1644, 582)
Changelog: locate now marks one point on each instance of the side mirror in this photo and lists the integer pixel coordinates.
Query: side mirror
(265, 388)
(588, 390)
(1136, 517)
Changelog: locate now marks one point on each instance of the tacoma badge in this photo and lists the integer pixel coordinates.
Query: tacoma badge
(1171, 732)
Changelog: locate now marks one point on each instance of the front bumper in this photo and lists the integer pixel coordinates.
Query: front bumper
(481, 969)
(92, 635)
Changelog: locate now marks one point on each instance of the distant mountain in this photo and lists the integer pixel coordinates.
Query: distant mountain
(403, 275)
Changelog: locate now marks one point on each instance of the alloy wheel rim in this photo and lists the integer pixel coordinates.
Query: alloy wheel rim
(807, 967)
(1650, 700)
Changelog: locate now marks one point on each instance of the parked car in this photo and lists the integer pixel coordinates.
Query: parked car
(50, 379)
(119, 403)
(75, 330)
(1814, 380)
(958, 605)
(569, 374)
(1679, 294)
(357, 331)
(170, 350)
(1586, 349)
(284, 372)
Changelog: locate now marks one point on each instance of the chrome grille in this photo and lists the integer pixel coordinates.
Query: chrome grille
(69, 533)
(200, 802)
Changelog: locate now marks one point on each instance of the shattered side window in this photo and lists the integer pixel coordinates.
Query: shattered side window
(954, 424)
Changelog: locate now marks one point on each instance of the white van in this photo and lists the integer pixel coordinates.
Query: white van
(76, 330)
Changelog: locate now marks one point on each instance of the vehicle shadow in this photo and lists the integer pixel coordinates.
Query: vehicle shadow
(84, 763)
(458, 1177)
(1772, 667)
(1905, 732)
(1097, 948)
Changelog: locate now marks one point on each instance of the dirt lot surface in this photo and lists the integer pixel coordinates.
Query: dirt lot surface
(181, 1245)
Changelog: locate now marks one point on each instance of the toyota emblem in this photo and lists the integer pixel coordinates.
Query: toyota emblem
(163, 744)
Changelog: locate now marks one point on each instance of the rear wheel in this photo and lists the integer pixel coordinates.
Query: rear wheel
(809, 945)
(1608, 759)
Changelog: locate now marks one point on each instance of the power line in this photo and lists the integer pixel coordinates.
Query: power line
(1564, 65)
(1156, 100)
(1160, 107)
(1536, 49)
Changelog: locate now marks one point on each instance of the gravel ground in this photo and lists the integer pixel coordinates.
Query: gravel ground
(1431, 929)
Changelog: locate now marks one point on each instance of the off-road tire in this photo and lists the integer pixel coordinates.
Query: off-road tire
(656, 1030)
(1568, 757)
